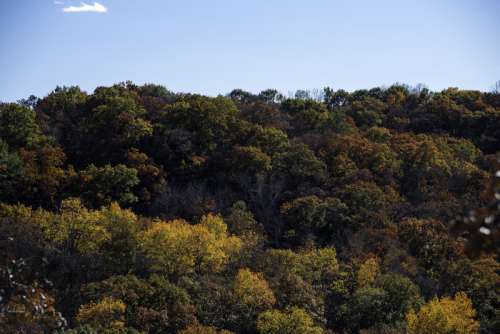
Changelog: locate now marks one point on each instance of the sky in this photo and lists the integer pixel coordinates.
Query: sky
(213, 46)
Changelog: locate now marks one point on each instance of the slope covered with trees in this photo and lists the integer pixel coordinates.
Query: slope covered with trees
(138, 210)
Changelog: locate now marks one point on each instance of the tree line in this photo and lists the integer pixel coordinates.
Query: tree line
(135, 209)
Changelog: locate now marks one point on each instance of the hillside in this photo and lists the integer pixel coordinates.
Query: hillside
(135, 209)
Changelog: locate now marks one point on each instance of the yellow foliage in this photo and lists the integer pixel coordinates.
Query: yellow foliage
(199, 329)
(367, 272)
(81, 229)
(292, 321)
(317, 263)
(444, 316)
(252, 290)
(75, 226)
(117, 220)
(215, 224)
(108, 313)
(178, 248)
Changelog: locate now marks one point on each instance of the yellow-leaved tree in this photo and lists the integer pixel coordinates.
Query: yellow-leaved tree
(367, 272)
(107, 314)
(75, 228)
(178, 248)
(444, 316)
(292, 321)
(253, 290)
(110, 232)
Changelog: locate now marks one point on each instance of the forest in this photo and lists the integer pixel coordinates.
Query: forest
(137, 210)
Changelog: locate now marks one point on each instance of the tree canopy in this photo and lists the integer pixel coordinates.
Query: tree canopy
(135, 209)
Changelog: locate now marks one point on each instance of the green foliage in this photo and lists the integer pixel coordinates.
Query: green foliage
(271, 141)
(103, 185)
(337, 210)
(18, 126)
(369, 204)
(152, 178)
(301, 163)
(324, 220)
(376, 302)
(250, 159)
(154, 305)
(307, 114)
(10, 173)
(210, 119)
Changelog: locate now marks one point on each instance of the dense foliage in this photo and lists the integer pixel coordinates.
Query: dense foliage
(138, 210)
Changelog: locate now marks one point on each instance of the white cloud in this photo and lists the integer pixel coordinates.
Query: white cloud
(95, 8)
(56, 2)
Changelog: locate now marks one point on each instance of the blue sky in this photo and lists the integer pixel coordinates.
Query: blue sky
(211, 46)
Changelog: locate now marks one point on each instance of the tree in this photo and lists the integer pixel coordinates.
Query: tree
(27, 300)
(444, 316)
(61, 115)
(369, 204)
(29, 311)
(114, 122)
(18, 127)
(103, 315)
(252, 296)
(430, 243)
(300, 163)
(199, 329)
(272, 95)
(366, 308)
(323, 220)
(154, 305)
(118, 252)
(306, 113)
(249, 159)
(152, 179)
(239, 95)
(346, 154)
(402, 295)
(367, 112)
(10, 173)
(252, 290)
(271, 141)
(75, 229)
(242, 223)
(210, 120)
(367, 272)
(103, 185)
(380, 301)
(88, 221)
(478, 278)
(292, 321)
(301, 278)
(111, 233)
(177, 248)
(45, 180)
(334, 99)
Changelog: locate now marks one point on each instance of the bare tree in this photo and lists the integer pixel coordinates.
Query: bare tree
(496, 87)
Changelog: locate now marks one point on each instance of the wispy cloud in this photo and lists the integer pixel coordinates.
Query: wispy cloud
(95, 8)
(57, 2)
